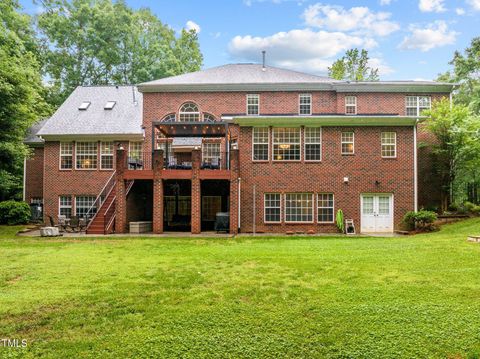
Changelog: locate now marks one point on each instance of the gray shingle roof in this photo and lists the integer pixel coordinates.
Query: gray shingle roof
(32, 138)
(124, 119)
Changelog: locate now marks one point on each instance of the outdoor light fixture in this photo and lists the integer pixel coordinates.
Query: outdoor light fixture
(377, 183)
(345, 179)
(234, 146)
(120, 147)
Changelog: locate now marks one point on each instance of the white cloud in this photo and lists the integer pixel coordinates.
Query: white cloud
(304, 50)
(431, 5)
(460, 11)
(385, 2)
(379, 63)
(475, 4)
(433, 35)
(191, 25)
(359, 20)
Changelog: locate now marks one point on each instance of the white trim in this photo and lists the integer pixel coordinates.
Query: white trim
(299, 144)
(333, 207)
(350, 105)
(76, 157)
(392, 208)
(417, 97)
(342, 142)
(71, 203)
(265, 208)
(415, 169)
(246, 104)
(285, 207)
(300, 103)
(72, 155)
(382, 144)
(258, 143)
(107, 155)
(316, 143)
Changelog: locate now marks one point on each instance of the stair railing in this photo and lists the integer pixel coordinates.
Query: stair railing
(109, 214)
(95, 207)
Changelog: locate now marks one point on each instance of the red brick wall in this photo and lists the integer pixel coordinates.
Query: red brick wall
(34, 174)
(68, 182)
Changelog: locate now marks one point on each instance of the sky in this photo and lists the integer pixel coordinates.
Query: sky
(406, 39)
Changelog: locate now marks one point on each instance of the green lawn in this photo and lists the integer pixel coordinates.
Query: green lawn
(306, 297)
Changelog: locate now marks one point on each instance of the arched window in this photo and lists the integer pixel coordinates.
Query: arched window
(208, 117)
(171, 117)
(189, 112)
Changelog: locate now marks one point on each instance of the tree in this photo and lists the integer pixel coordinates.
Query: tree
(353, 67)
(105, 42)
(457, 145)
(21, 93)
(466, 72)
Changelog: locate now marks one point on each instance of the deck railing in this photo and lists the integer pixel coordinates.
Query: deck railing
(183, 161)
(139, 161)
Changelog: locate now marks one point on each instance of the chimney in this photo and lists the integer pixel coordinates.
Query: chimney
(263, 60)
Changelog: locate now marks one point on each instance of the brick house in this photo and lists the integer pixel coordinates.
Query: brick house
(277, 150)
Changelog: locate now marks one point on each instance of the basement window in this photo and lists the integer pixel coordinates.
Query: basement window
(84, 105)
(109, 105)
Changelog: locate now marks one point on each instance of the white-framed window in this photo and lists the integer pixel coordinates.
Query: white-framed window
(83, 204)
(65, 206)
(66, 155)
(325, 208)
(208, 117)
(260, 143)
(389, 144)
(106, 155)
(210, 206)
(211, 153)
(86, 155)
(305, 104)
(272, 207)
(298, 207)
(414, 105)
(350, 105)
(36, 200)
(135, 150)
(286, 144)
(253, 104)
(348, 142)
(189, 112)
(313, 144)
(171, 117)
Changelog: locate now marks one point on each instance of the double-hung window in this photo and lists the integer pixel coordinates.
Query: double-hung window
(325, 207)
(83, 204)
(414, 105)
(86, 155)
(313, 143)
(65, 206)
(350, 105)
(348, 143)
(286, 144)
(389, 144)
(66, 155)
(106, 155)
(305, 104)
(211, 153)
(253, 104)
(272, 204)
(260, 141)
(298, 207)
(135, 150)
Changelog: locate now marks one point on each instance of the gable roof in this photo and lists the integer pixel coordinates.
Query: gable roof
(32, 139)
(123, 120)
(255, 77)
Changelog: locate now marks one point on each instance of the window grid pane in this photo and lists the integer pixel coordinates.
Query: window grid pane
(348, 143)
(414, 105)
(66, 155)
(286, 144)
(384, 205)
(298, 207)
(83, 204)
(389, 144)
(325, 207)
(86, 153)
(367, 205)
(305, 104)
(350, 105)
(260, 143)
(135, 150)
(211, 151)
(106, 155)
(189, 113)
(65, 206)
(313, 143)
(253, 102)
(272, 204)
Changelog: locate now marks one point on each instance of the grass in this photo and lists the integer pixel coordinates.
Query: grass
(242, 298)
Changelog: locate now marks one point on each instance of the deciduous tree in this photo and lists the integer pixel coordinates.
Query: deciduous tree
(353, 67)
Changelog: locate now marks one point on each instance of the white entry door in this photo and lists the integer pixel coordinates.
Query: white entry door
(377, 213)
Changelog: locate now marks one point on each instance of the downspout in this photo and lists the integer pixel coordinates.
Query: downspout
(415, 167)
(239, 205)
(24, 177)
(254, 209)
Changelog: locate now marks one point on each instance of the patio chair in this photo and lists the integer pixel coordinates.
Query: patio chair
(62, 222)
(215, 163)
(82, 223)
(74, 224)
(172, 162)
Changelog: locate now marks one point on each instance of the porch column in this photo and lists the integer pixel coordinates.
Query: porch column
(120, 192)
(196, 195)
(234, 177)
(157, 191)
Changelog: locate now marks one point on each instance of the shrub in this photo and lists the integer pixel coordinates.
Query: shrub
(469, 206)
(12, 212)
(422, 220)
(453, 207)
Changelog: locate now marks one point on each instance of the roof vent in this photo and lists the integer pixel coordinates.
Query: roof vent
(84, 105)
(109, 105)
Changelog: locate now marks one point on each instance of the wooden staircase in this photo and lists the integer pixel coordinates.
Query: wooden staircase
(103, 222)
